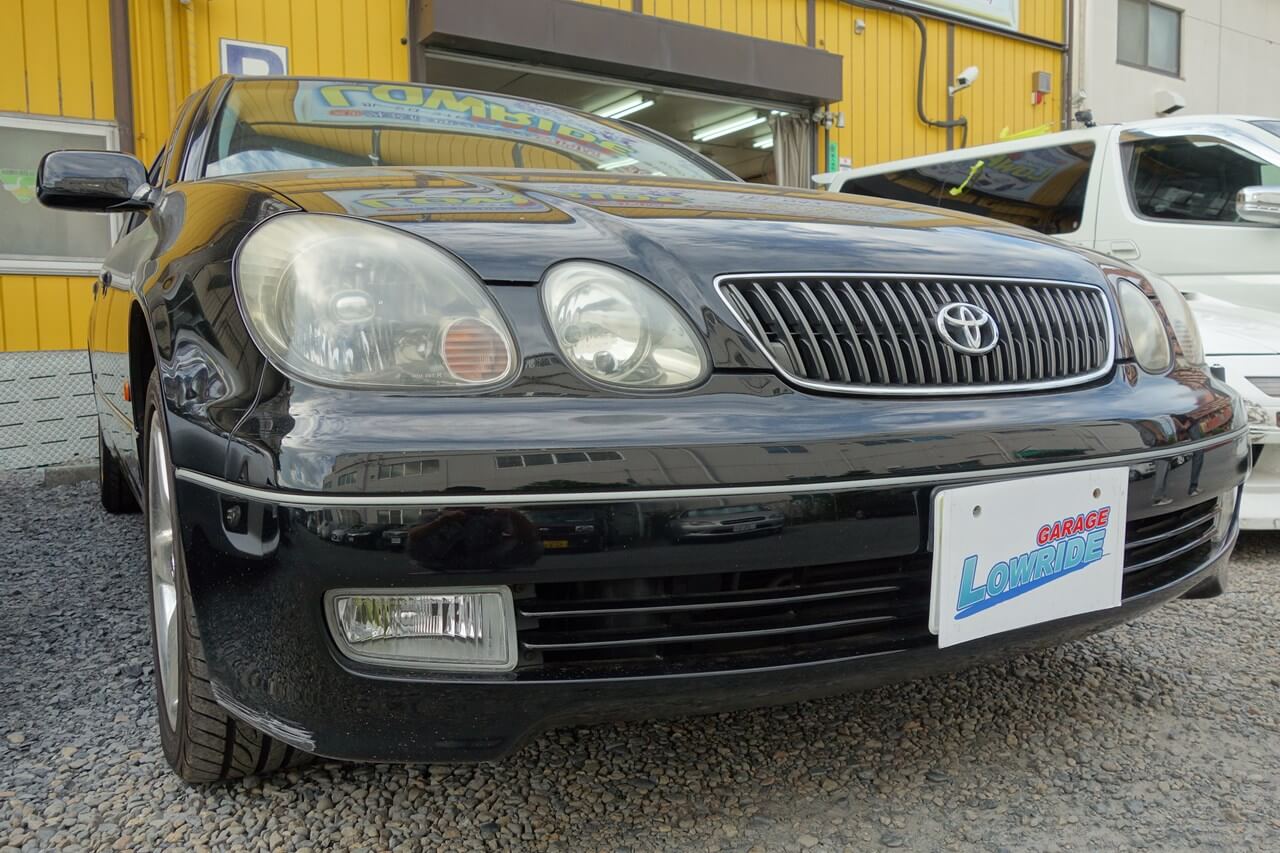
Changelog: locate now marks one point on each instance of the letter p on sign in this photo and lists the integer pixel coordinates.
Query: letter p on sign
(253, 59)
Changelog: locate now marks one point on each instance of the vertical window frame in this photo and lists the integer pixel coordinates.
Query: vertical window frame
(1146, 65)
(113, 222)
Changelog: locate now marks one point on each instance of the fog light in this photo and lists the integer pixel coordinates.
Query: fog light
(470, 628)
(1226, 512)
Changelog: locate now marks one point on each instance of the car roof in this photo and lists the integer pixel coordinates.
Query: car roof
(1166, 126)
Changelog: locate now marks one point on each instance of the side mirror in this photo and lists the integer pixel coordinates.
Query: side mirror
(1259, 204)
(96, 181)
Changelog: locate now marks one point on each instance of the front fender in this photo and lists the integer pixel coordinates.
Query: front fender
(210, 371)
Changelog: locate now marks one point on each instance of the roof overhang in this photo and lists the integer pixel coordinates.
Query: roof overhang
(595, 40)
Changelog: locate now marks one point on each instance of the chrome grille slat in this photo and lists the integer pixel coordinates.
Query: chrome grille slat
(1006, 342)
(832, 343)
(849, 341)
(947, 352)
(922, 317)
(806, 341)
(878, 333)
(1028, 360)
(1079, 334)
(913, 346)
(878, 350)
(782, 333)
(885, 331)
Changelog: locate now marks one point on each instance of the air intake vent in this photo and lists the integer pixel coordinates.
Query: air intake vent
(899, 335)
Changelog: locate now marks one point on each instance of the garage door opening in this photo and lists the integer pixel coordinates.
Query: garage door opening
(736, 133)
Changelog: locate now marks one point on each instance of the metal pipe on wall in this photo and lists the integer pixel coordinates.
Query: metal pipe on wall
(122, 73)
(192, 83)
(170, 70)
(962, 122)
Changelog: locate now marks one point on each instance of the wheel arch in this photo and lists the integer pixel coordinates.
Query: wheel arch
(142, 360)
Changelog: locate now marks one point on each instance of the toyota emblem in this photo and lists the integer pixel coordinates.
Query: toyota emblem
(967, 328)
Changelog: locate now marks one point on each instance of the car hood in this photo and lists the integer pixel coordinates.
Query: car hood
(1230, 329)
(510, 225)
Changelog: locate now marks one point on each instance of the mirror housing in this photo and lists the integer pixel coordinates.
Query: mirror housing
(96, 181)
(1259, 204)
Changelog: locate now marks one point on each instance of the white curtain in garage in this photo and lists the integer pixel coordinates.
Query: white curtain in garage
(792, 150)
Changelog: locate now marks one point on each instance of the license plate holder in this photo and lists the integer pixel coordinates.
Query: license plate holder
(1020, 552)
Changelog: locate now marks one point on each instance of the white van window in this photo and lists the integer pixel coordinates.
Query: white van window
(1040, 188)
(1191, 179)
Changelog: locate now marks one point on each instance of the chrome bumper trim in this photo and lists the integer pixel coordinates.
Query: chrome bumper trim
(332, 499)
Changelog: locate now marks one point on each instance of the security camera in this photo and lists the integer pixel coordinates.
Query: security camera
(964, 80)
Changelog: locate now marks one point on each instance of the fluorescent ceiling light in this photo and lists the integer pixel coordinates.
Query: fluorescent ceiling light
(643, 105)
(625, 107)
(763, 142)
(728, 126)
(620, 163)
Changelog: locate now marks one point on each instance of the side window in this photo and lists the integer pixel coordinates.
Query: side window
(1191, 179)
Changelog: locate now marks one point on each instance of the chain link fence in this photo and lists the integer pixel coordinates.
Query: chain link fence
(47, 416)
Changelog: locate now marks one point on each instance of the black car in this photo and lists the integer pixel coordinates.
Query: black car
(365, 535)
(339, 300)
(577, 529)
(726, 521)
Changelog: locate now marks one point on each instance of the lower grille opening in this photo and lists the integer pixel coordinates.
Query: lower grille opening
(739, 619)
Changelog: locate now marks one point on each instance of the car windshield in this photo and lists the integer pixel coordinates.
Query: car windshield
(273, 124)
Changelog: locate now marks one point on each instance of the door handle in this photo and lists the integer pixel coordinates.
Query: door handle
(1124, 249)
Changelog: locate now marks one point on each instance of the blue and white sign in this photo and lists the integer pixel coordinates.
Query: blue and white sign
(1016, 553)
(253, 59)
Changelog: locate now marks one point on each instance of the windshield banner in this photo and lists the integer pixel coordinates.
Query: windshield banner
(999, 13)
(1018, 176)
(423, 108)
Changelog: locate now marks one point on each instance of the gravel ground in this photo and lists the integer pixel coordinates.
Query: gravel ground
(1162, 734)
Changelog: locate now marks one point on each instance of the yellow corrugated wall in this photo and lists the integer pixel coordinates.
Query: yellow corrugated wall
(780, 20)
(343, 38)
(880, 68)
(43, 312)
(56, 61)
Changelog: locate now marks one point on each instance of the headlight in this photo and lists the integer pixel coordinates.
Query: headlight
(1147, 334)
(345, 302)
(618, 329)
(1180, 319)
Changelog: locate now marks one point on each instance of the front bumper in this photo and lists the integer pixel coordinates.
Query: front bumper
(1260, 502)
(258, 593)
(1255, 378)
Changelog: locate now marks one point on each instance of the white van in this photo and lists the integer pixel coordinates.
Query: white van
(1195, 200)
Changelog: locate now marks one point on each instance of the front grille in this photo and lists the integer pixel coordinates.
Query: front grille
(727, 620)
(880, 334)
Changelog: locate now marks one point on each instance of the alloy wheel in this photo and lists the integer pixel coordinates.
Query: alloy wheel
(164, 575)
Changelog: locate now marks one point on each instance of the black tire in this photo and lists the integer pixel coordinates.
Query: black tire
(113, 490)
(207, 744)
